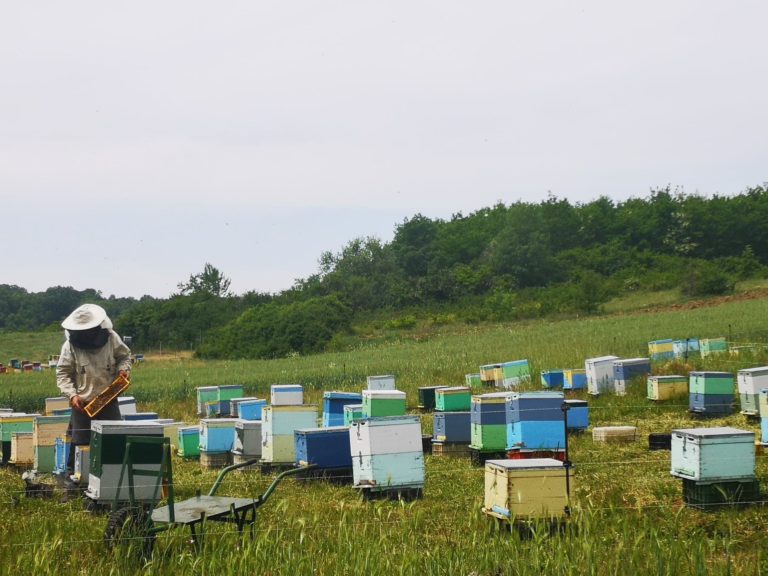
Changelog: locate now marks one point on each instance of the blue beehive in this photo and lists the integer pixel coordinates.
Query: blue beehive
(140, 416)
(552, 378)
(217, 435)
(578, 414)
(333, 406)
(710, 404)
(574, 379)
(452, 427)
(626, 369)
(251, 409)
(488, 413)
(61, 453)
(326, 447)
(535, 421)
(542, 406)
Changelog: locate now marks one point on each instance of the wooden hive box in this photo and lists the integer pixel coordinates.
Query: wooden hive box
(614, 434)
(251, 409)
(599, 373)
(626, 369)
(325, 447)
(278, 425)
(217, 434)
(453, 399)
(666, 387)
(514, 373)
(248, 438)
(455, 427)
(526, 489)
(225, 395)
(107, 448)
(127, 405)
(578, 414)
(46, 429)
(189, 441)
(488, 374)
(552, 378)
(333, 406)
(57, 403)
(378, 403)
(234, 405)
(287, 395)
(709, 346)
(352, 412)
(488, 417)
(22, 450)
(713, 454)
(427, 396)
(685, 348)
(574, 379)
(387, 452)
(661, 349)
(721, 383)
(381, 382)
(206, 394)
(473, 380)
(749, 383)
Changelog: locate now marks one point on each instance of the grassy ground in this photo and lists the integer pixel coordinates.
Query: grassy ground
(628, 513)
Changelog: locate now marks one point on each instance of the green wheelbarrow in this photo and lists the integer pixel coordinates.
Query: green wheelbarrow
(136, 525)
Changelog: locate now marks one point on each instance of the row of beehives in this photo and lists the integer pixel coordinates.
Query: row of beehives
(500, 375)
(600, 375)
(17, 366)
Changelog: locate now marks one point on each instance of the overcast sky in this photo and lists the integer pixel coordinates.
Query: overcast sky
(139, 140)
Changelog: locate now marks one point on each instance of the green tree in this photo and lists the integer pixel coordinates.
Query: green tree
(209, 281)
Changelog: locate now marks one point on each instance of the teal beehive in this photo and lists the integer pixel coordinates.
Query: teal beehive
(713, 454)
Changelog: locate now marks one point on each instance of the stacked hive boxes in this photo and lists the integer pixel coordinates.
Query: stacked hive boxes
(54, 404)
(22, 452)
(453, 399)
(473, 380)
(523, 490)
(427, 397)
(225, 395)
(189, 441)
(127, 405)
(286, 395)
(11, 423)
(217, 438)
(205, 396)
(46, 430)
(488, 417)
(378, 403)
(251, 409)
(684, 349)
(535, 421)
(333, 406)
(387, 453)
(750, 381)
(248, 439)
(234, 405)
(710, 393)
(514, 373)
(764, 415)
(382, 382)
(599, 373)
(574, 379)
(661, 349)
(552, 378)
(278, 425)
(666, 387)
(327, 448)
(578, 415)
(452, 433)
(625, 370)
(710, 346)
(107, 449)
(717, 465)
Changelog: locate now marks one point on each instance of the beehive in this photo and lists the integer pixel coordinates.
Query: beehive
(514, 373)
(57, 403)
(685, 348)
(574, 379)
(108, 441)
(764, 430)
(709, 346)
(10, 423)
(247, 438)
(382, 382)
(626, 369)
(473, 380)
(488, 373)
(383, 403)
(287, 395)
(251, 409)
(552, 378)
(46, 430)
(599, 374)
(535, 420)
(82, 464)
(333, 406)
(763, 402)
(749, 382)
(455, 427)
(427, 396)
(278, 425)
(661, 349)
(352, 412)
(234, 405)
(666, 387)
(453, 399)
(526, 489)
(488, 417)
(713, 454)
(387, 452)
(206, 394)
(140, 416)
(22, 452)
(711, 393)
(61, 454)
(324, 447)
(578, 414)
(614, 434)
(225, 395)
(189, 441)
(127, 405)
(217, 434)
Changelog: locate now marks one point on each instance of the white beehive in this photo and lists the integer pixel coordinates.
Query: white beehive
(599, 374)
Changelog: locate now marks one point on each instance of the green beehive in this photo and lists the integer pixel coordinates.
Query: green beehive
(427, 396)
(352, 412)
(189, 441)
(206, 394)
(711, 383)
(489, 437)
(383, 403)
(473, 380)
(713, 346)
(453, 399)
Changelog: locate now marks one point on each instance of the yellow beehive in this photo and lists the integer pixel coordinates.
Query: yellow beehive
(47, 428)
(22, 452)
(526, 489)
(666, 387)
(58, 403)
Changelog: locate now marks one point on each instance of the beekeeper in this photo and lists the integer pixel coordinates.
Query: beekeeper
(91, 358)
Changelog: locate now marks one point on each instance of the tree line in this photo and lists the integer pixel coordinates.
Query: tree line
(504, 262)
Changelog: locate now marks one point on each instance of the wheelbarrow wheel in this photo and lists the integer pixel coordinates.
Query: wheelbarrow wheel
(130, 530)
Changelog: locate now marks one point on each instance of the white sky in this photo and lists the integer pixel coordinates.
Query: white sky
(140, 140)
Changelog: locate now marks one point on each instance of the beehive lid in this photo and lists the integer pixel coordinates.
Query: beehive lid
(389, 420)
(537, 395)
(602, 359)
(706, 374)
(715, 432)
(454, 390)
(126, 427)
(126, 400)
(491, 397)
(663, 341)
(328, 430)
(530, 464)
(381, 376)
(755, 371)
(384, 394)
(206, 388)
(353, 408)
(247, 424)
(188, 429)
(219, 422)
(576, 403)
(287, 388)
(252, 402)
(514, 363)
(230, 386)
(629, 361)
(342, 395)
(668, 377)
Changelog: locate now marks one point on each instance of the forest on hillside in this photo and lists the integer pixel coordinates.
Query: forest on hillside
(499, 263)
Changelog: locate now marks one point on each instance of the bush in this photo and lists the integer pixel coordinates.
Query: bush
(706, 279)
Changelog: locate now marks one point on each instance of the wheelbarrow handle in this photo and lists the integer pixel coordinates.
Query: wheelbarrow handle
(279, 478)
(226, 471)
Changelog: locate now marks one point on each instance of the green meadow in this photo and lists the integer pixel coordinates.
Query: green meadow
(628, 515)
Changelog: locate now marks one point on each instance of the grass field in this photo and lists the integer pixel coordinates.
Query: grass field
(628, 514)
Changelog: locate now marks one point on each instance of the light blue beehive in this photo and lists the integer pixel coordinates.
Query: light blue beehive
(713, 454)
